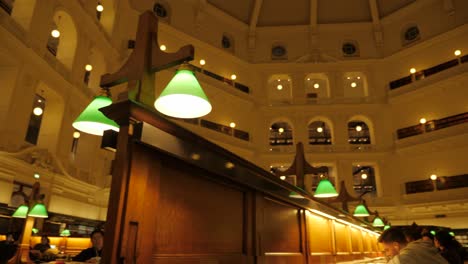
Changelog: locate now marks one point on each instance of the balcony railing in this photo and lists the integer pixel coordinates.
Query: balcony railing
(441, 183)
(432, 125)
(241, 87)
(427, 72)
(240, 134)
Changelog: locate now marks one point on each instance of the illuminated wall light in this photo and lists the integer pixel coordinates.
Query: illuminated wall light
(282, 177)
(279, 80)
(37, 111)
(37, 175)
(349, 78)
(433, 177)
(229, 165)
(279, 87)
(88, 67)
(99, 7)
(281, 130)
(319, 129)
(353, 84)
(412, 70)
(76, 134)
(359, 77)
(364, 176)
(316, 85)
(195, 156)
(322, 214)
(422, 120)
(233, 77)
(308, 79)
(358, 128)
(202, 62)
(162, 47)
(232, 124)
(457, 52)
(55, 33)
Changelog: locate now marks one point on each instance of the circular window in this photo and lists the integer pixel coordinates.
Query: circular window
(278, 51)
(160, 10)
(412, 33)
(349, 48)
(226, 42)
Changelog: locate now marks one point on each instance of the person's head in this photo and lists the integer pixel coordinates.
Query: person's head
(393, 240)
(427, 236)
(44, 240)
(443, 239)
(412, 234)
(97, 238)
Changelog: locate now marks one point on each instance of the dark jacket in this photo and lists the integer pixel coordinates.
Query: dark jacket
(87, 254)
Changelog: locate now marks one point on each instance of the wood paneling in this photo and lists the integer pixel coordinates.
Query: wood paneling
(341, 238)
(319, 234)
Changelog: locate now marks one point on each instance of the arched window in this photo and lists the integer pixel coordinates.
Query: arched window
(319, 133)
(281, 133)
(364, 179)
(63, 38)
(280, 89)
(355, 85)
(316, 87)
(358, 132)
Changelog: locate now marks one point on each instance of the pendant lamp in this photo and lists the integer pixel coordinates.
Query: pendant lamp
(361, 211)
(21, 212)
(92, 121)
(296, 195)
(325, 189)
(65, 233)
(386, 227)
(183, 97)
(35, 230)
(378, 222)
(39, 211)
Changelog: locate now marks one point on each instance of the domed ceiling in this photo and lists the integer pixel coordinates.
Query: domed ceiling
(265, 13)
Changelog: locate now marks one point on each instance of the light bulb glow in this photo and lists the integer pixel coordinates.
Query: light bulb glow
(88, 67)
(422, 120)
(92, 121)
(202, 62)
(319, 129)
(37, 111)
(282, 177)
(99, 8)
(316, 85)
(433, 177)
(162, 47)
(412, 70)
(364, 176)
(36, 176)
(353, 84)
(55, 33)
(232, 124)
(233, 77)
(457, 52)
(76, 134)
(279, 87)
(281, 130)
(358, 128)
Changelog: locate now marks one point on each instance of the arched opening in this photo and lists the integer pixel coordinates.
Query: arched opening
(281, 133)
(359, 131)
(22, 12)
(355, 85)
(364, 179)
(107, 16)
(65, 44)
(316, 86)
(320, 132)
(280, 89)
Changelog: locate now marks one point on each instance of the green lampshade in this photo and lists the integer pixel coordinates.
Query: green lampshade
(452, 233)
(65, 233)
(378, 222)
(183, 97)
(325, 189)
(21, 212)
(296, 195)
(361, 211)
(433, 232)
(35, 230)
(92, 121)
(386, 227)
(39, 211)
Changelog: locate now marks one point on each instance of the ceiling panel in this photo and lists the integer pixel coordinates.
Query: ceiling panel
(284, 13)
(344, 11)
(387, 7)
(239, 9)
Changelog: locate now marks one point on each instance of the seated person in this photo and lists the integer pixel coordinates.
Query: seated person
(92, 254)
(40, 248)
(8, 247)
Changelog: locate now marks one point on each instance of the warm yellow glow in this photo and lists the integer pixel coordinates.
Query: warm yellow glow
(316, 85)
(99, 8)
(37, 175)
(282, 177)
(195, 156)
(279, 87)
(88, 67)
(412, 70)
(353, 84)
(162, 47)
(349, 78)
(364, 176)
(232, 124)
(319, 129)
(433, 177)
(422, 120)
(76, 134)
(308, 79)
(358, 128)
(229, 165)
(37, 111)
(55, 33)
(202, 62)
(233, 77)
(183, 106)
(359, 77)
(281, 130)
(457, 53)
(323, 214)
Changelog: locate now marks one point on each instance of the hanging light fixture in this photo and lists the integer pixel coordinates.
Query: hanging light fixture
(39, 210)
(325, 189)
(65, 233)
(296, 195)
(35, 230)
(21, 212)
(361, 211)
(183, 97)
(378, 222)
(92, 121)
(387, 226)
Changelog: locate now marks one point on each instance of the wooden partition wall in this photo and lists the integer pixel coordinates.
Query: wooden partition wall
(177, 198)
